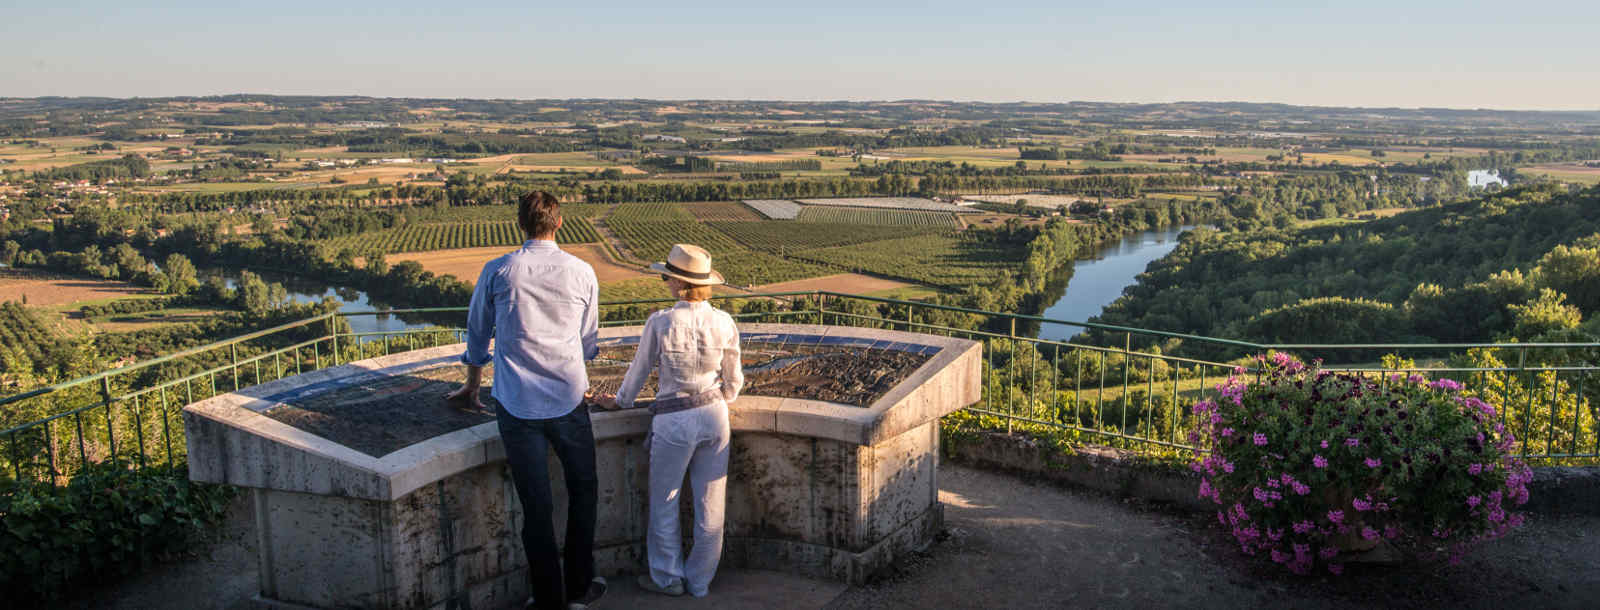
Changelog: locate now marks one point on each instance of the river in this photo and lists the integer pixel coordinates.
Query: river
(302, 290)
(1098, 281)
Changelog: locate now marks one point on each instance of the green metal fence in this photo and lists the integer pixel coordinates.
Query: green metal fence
(1122, 389)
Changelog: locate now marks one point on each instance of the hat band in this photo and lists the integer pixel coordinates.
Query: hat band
(686, 273)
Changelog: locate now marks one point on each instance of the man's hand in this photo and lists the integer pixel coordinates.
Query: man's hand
(465, 399)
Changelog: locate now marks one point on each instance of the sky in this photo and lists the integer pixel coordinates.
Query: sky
(1533, 54)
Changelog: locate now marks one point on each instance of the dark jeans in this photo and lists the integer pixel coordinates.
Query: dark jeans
(528, 442)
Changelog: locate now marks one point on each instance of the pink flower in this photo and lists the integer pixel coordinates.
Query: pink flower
(1328, 552)
(1352, 442)
(1369, 533)
(1373, 462)
(1473, 501)
(1361, 505)
(1475, 469)
(1260, 439)
(1301, 488)
(1391, 532)
(1324, 444)
(1319, 461)
(1445, 384)
(1227, 432)
(1227, 467)
(1303, 527)
(1336, 516)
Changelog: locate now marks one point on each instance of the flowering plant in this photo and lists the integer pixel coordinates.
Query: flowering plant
(1308, 464)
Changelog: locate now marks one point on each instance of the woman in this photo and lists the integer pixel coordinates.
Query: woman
(695, 349)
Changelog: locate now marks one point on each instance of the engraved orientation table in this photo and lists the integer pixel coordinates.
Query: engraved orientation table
(369, 492)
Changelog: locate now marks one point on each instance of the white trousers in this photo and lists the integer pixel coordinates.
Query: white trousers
(693, 441)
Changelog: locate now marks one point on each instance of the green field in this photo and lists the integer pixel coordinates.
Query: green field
(650, 230)
(442, 236)
(841, 215)
(782, 237)
(940, 260)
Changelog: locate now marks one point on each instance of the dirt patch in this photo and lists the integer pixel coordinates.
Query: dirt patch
(467, 263)
(853, 283)
(45, 289)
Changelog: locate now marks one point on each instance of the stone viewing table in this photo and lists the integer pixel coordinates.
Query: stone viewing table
(370, 492)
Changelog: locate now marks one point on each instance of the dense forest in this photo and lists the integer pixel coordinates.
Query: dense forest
(1521, 264)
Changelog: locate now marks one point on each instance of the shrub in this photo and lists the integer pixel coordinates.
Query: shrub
(1309, 465)
(108, 521)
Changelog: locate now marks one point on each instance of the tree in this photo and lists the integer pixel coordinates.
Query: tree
(181, 275)
(1544, 314)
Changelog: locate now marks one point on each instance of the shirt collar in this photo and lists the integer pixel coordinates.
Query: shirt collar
(692, 305)
(540, 244)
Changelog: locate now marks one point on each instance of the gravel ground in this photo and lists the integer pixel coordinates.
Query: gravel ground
(1010, 543)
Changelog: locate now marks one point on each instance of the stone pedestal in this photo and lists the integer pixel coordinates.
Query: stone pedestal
(821, 489)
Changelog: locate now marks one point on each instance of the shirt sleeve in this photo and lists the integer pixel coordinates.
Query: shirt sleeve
(732, 364)
(591, 319)
(480, 318)
(643, 360)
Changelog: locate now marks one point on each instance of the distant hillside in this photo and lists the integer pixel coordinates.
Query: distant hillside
(1477, 270)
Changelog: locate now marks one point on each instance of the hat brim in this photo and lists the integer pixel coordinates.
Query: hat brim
(714, 280)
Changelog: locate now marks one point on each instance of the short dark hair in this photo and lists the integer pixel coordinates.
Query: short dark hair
(537, 213)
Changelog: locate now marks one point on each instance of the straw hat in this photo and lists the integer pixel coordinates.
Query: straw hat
(689, 263)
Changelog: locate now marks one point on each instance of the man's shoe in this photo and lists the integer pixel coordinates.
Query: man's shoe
(649, 584)
(597, 590)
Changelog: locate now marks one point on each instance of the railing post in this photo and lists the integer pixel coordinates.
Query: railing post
(1011, 337)
(233, 363)
(822, 308)
(333, 334)
(105, 396)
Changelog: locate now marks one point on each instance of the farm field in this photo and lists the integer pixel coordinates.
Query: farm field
(895, 203)
(467, 263)
(44, 289)
(788, 237)
(776, 209)
(650, 229)
(853, 283)
(1035, 200)
(1571, 172)
(150, 319)
(726, 211)
(443, 236)
(909, 218)
(938, 260)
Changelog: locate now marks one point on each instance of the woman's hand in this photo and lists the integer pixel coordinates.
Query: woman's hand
(606, 401)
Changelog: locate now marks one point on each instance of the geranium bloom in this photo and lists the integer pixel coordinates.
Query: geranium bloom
(1361, 505)
(1473, 501)
(1475, 469)
(1336, 516)
(1352, 442)
(1301, 488)
(1373, 462)
(1260, 439)
(1319, 461)
(1227, 432)
(1303, 527)
(1369, 533)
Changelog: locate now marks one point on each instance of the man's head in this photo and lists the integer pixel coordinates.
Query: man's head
(539, 215)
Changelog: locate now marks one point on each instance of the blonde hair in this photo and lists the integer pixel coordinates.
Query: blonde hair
(694, 293)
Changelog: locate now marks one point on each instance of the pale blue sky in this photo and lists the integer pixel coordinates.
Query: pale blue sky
(1535, 54)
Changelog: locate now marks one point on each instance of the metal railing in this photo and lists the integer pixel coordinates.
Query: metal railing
(1121, 389)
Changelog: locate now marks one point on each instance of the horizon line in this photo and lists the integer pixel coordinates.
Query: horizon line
(803, 101)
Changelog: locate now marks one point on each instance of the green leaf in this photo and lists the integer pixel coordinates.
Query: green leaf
(146, 519)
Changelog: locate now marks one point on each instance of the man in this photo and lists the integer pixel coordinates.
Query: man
(541, 306)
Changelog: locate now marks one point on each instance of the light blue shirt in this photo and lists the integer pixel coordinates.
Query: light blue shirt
(542, 307)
